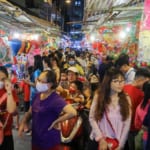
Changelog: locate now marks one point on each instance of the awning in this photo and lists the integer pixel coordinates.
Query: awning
(98, 12)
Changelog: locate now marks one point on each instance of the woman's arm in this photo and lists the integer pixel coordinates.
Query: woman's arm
(35, 75)
(79, 99)
(25, 120)
(57, 75)
(11, 104)
(95, 128)
(29, 82)
(68, 112)
(27, 116)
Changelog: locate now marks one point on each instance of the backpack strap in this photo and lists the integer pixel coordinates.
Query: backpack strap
(112, 125)
(110, 122)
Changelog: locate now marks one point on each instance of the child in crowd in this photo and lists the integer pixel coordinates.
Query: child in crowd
(75, 91)
(63, 79)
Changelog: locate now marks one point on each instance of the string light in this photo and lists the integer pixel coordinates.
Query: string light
(68, 1)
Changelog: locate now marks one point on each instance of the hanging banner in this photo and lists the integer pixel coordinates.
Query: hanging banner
(144, 36)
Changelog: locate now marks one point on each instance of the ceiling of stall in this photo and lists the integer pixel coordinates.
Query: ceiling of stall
(13, 17)
(99, 12)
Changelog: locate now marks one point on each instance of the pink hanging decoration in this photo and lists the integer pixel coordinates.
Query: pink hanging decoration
(146, 21)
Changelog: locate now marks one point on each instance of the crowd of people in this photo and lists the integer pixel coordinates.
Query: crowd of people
(115, 93)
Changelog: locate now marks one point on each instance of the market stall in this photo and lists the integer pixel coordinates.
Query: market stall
(22, 36)
(144, 36)
(112, 27)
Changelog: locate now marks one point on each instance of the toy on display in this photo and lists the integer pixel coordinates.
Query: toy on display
(23, 53)
(115, 39)
(21, 66)
(14, 46)
(5, 54)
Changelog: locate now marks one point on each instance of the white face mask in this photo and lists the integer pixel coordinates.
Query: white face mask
(41, 87)
(1, 84)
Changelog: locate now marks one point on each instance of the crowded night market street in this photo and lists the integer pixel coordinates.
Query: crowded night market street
(74, 74)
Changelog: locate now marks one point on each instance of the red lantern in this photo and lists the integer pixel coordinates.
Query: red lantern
(100, 47)
(94, 45)
(143, 64)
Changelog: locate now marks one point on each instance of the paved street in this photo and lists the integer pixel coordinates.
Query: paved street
(23, 143)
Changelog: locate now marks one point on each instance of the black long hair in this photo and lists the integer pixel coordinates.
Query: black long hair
(103, 99)
(146, 89)
(38, 63)
(51, 78)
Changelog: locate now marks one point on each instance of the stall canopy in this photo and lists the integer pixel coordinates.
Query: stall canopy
(99, 12)
(14, 18)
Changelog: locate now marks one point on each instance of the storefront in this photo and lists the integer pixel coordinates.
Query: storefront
(23, 36)
(114, 27)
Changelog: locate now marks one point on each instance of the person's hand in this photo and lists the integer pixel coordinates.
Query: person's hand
(26, 81)
(8, 85)
(103, 145)
(54, 125)
(59, 89)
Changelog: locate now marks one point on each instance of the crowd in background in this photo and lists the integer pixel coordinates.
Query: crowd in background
(115, 94)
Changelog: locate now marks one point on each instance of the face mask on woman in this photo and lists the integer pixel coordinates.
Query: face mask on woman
(1, 84)
(42, 87)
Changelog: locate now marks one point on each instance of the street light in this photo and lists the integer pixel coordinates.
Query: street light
(68, 1)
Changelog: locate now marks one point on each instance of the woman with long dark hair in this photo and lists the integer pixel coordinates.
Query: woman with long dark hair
(110, 113)
(38, 68)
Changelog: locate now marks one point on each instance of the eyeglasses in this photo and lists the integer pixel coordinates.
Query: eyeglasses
(118, 81)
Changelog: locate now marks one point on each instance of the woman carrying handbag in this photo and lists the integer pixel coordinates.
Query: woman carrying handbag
(110, 113)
